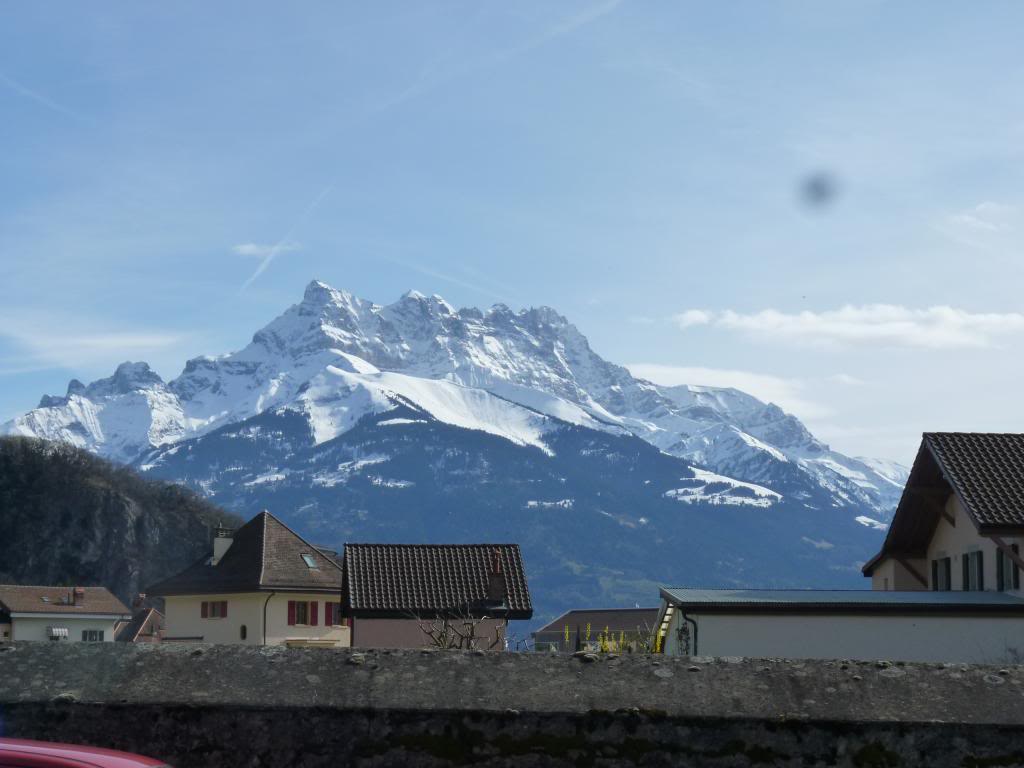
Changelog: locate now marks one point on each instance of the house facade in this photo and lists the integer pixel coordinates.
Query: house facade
(59, 614)
(959, 525)
(262, 584)
(442, 595)
(945, 585)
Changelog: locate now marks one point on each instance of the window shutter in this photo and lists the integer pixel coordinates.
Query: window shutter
(981, 571)
(329, 614)
(1000, 581)
(935, 575)
(204, 611)
(1016, 568)
(223, 609)
(291, 613)
(965, 560)
(313, 613)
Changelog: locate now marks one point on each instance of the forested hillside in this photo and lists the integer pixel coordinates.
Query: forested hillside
(69, 517)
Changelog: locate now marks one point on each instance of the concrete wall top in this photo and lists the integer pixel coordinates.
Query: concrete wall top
(209, 675)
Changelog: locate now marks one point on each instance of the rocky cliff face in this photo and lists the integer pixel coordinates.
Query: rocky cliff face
(68, 517)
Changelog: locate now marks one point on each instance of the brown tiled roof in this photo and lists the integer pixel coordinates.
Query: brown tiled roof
(987, 472)
(984, 470)
(426, 579)
(615, 619)
(264, 555)
(96, 600)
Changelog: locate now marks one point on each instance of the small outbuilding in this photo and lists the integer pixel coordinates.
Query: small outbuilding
(970, 627)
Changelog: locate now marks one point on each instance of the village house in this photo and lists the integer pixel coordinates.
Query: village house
(145, 626)
(263, 584)
(59, 614)
(945, 585)
(618, 629)
(443, 595)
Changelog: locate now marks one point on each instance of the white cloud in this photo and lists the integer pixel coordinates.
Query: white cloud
(692, 317)
(46, 341)
(788, 394)
(988, 225)
(939, 327)
(262, 250)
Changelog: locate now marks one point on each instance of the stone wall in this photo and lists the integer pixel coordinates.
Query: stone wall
(253, 707)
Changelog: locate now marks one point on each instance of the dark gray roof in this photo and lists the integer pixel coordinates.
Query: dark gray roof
(841, 601)
(987, 471)
(264, 555)
(427, 579)
(148, 619)
(615, 619)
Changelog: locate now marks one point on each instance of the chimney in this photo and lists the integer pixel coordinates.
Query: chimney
(78, 596)
(222, 538)
(138, 601)
(497, 589)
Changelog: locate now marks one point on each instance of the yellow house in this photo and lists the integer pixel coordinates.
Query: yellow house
(960, 523)
(263, 584)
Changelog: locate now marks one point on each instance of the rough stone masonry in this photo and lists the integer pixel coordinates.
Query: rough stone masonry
(203, 705)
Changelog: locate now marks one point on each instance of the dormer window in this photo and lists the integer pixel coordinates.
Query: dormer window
(310, 562)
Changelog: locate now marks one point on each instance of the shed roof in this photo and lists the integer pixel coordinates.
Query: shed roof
(615, 619)
(264, 555)
(425, 579)
(36, 599)
(840, 601)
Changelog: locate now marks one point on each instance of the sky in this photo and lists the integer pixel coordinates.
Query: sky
(818, 203)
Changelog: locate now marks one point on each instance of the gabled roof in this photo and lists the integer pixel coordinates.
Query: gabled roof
(403, 580)
(129, 631)
(984, 470)
(615, 619)
(840, 601)
(264, 555)
(91, 601)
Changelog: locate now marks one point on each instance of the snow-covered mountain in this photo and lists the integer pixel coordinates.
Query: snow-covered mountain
(416, 422)
(336, 359)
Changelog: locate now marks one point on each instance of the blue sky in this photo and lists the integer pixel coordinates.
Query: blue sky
(636, 165)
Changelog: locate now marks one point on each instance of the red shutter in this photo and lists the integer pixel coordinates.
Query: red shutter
(204, 611)
(291, 613)
(313, 613)
(223, 609)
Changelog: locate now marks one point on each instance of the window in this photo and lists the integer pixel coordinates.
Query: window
(242, 632)
(310, 562)
(214, 609)
(92, 635)
(332, 615)
(973, 571)
(942, 574)
(303, 613)
(1007, 571)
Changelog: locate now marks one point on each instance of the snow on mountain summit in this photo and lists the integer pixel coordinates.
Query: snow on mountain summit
(336, 358)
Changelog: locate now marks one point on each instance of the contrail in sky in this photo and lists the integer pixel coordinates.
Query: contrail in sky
(285, 241)
(37, 97)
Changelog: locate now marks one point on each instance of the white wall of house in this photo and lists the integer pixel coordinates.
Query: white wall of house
(35, 627)
(952, 638)
(890, 575)
(956, 540)
(183, 619)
